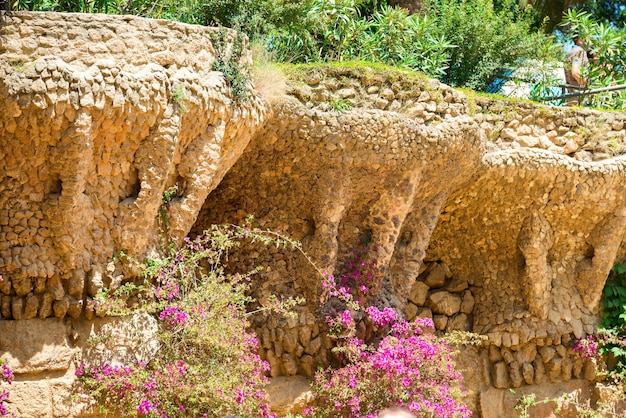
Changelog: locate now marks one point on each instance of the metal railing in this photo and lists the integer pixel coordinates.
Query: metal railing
(583, 92)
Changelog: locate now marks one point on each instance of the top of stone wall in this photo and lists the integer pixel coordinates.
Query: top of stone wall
(582, 133)
(84, 40)
(342, 87)
(579, 133)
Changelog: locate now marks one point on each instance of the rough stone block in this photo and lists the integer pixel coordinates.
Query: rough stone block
(276, 367)
(290, 366)
(540, 371)
(567, 367)
(5, 308)
(494, 354)
(411, 311)
(436, 277)
(457, 286)
(459, 322)
(515, 374)
(45, 309)
(547, 353)
(304, 335)
(554, 369)
(590, 370)
(440, 322)
(425, 313)
(60, 307)
(17, 307)
(31, 307)
(30, 399)
(22, 286)
(500, 376)
(35, 345)
(445, 303)
(314, 346)
(307, 366)
(528, 141)
(290, 340)
(528, 373)
(289, 395)
(419, 292)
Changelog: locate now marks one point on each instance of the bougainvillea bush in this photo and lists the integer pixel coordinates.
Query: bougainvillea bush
(6, 378)
(206, 365)
(407, 365)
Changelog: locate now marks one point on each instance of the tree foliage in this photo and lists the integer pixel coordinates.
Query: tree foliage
(549, 13)
(609, 11)
(487, 39)
(464, 43)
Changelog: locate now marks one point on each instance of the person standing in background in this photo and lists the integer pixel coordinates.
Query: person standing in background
(575, 61)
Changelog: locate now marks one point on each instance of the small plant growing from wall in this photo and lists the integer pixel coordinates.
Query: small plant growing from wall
(178, 97)
(19, 66)
(341, 105)
(236, 74)
(164, 210)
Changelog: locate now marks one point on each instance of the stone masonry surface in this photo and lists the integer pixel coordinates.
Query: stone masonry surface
(99, 115)
(498, 217)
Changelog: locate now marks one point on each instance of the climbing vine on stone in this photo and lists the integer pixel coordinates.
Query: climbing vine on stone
(229, 63)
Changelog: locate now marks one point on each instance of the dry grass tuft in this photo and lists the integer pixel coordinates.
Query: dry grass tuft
(269, 81)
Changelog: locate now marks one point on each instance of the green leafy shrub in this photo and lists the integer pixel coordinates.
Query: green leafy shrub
(335, 30)
(612, 336)
(256, 18)
(614, 299)
(609, 11)
(235, 72)
(188, 11)
(464, 43)
(487, 41)
(396, 38)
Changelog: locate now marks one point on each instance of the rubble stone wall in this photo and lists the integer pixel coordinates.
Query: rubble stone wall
(45, 354)
(492, 216)
(99, 115)
(497, 217)
(583, 134)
